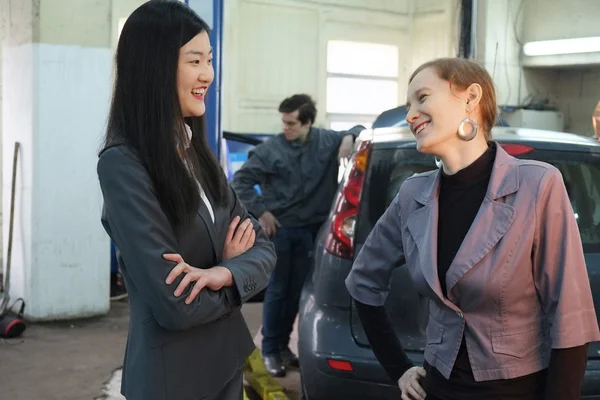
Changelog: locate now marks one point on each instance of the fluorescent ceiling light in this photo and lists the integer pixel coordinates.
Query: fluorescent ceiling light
(562, 46)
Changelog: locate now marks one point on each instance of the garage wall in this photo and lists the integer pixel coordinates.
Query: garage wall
(579, 93)
(55, 53)
(120, 10)
(499, 32)
(275, 48)
(574, 90)
(560, 19)
(434, 31)
(269, 52)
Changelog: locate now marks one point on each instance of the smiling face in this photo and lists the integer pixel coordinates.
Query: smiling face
(195, 73)
(436, 109)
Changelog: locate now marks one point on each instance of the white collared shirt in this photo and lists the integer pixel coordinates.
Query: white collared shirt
(203, 195)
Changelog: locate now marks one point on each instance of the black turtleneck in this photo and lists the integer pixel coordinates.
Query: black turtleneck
(460, 198)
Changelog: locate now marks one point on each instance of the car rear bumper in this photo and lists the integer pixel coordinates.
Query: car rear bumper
(325, 334)
(321, 383)
(321, 386)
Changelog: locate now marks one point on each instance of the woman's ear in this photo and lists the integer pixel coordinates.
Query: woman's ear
(474, 93)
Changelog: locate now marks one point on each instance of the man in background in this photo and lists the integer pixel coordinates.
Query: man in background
(117, 287)
(297, 173)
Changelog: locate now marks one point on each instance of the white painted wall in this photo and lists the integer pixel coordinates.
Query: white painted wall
(17, 19)
(86, 22)
(270, 51)
(4, 21)
(434, 32)
(575, 91)
(560, 19)
(499, 29)
(504, 26)
(18, 125)
(92, 23)
(57, 111)
(275, 48)
(120, 9)
(56, 96)
(74, 92)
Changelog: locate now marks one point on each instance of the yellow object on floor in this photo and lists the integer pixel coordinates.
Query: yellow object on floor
(263, 383)
(255, 363)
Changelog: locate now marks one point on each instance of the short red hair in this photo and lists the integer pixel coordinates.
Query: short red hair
(461, 73)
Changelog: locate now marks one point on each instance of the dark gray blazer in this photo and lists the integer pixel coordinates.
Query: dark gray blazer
(177, 351)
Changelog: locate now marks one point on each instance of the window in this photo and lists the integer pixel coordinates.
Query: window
(389, 168)
(362, 82)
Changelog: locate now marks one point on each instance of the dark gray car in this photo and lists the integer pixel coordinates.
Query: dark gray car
(335, 357)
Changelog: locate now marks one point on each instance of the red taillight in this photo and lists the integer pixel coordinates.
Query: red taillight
(516, 150)
(339, 238)
(339, 241)
(353, 188)
(340, 365)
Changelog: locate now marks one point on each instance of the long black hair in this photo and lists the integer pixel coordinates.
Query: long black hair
(145, 112)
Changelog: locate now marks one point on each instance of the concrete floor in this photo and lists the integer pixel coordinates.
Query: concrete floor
(76, 360)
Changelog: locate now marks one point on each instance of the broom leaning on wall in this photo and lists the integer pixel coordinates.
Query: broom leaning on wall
(11, 323)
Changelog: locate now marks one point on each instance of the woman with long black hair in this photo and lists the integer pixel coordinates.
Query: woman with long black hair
(189, 252)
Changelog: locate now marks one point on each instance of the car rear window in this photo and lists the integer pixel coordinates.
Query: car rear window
(389, 167)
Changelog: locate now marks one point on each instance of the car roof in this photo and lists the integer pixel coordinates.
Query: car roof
(501, 134)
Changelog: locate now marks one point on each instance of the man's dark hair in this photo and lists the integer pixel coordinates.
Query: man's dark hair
(307, 109)
(145, 113)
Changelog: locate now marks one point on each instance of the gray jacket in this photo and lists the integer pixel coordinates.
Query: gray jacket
(518, 286)
(177, 351)
(297, 180)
